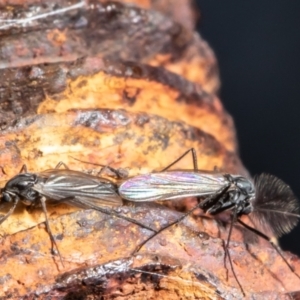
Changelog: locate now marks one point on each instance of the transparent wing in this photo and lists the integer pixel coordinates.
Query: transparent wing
(68, 185)
(171, 185)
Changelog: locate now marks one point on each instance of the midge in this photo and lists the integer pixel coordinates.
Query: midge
(269, 202)
(62, 186)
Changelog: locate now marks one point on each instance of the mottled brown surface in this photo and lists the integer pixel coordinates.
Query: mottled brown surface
(96, 83)
(181, 12)
(108, 29)
(141, 86)
(138, 142)
(88, 238)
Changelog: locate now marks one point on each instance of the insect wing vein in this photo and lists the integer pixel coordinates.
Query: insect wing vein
(65, 184)
(170, 185)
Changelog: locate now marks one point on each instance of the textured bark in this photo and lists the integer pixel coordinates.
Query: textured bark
(129, 85)
(107, 29)
(139, 142)
(178, 264)
(97, 83)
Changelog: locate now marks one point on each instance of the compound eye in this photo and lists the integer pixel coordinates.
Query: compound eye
(6, 197)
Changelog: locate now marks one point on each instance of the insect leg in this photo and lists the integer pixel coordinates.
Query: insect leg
(61, 164)
(115, 171)
(209, 202)
(43, 202)
(270, 240)
(194, 155)
(23, 169)
(118, 174)
(11, 210)
(121, 176)
(227, 253)
(211, 198)
(109, 212)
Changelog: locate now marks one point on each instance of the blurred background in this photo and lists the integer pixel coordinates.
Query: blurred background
(257, 44)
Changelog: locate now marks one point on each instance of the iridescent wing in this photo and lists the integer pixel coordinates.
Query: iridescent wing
(171, 185)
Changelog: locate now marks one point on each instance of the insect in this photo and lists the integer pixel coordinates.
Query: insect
(62, 186)
(268, 201)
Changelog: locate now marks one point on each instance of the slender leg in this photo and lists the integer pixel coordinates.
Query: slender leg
(211, 199)
(23, 169)
(270, 240)
(216, 196)
(121, 176)
(3, 171)
(61, 164)
(208, 203)
(227, 253)
(11, 210)
(118, 174)
(205, 205)
(110, 212)
(43, 202)
(194, 155)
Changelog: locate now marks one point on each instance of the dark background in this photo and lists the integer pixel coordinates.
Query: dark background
(257, 44)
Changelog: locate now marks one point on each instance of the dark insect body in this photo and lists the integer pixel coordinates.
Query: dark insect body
(62, 186)
(269, 202)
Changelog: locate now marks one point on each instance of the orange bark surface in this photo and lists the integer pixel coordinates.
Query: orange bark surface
(132, 86)
(139, 143)
(136, 87)
(179, 263)
(110, 30)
